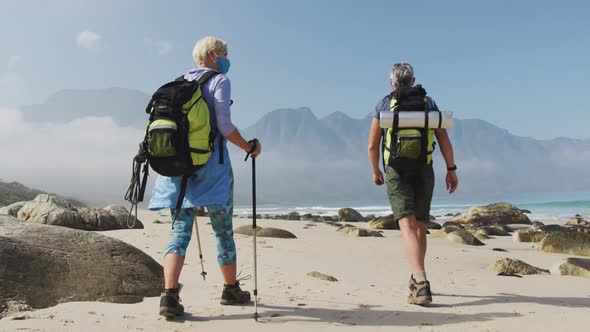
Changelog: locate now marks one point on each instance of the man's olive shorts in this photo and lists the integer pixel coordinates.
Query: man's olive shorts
(410, 193)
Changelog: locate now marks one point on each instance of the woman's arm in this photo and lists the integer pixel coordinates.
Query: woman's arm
(222, 100)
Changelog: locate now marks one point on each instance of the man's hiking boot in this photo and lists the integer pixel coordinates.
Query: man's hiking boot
(419, 292)
(233, 294)
(170, 303)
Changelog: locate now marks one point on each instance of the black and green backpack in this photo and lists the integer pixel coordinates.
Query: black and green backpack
(408, 149)
(179, 137)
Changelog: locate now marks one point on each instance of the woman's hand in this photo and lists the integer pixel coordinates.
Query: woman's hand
(258, 149)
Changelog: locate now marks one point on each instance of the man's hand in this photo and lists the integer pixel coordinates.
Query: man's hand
(378, 178)
(452, 181)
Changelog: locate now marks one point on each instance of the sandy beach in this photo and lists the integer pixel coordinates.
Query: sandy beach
(370, 292)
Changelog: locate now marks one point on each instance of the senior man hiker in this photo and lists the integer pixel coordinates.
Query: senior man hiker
(409, 176)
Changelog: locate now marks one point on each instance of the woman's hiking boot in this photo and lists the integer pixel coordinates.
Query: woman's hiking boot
(233, 294)
(170, 303)
(419, 292)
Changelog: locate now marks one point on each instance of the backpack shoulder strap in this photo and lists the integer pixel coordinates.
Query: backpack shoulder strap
(206, 76)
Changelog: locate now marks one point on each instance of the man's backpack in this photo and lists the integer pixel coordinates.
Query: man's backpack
(179, 137)
(408, 149)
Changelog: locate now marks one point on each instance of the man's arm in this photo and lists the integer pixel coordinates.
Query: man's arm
(446, 149)
(374, 148)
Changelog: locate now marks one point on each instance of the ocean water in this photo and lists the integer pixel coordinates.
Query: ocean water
(544, 207)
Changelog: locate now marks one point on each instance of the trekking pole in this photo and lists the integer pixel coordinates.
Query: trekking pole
(203, 273)
(254, 146)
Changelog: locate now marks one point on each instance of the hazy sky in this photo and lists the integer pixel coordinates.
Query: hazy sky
(522, 65)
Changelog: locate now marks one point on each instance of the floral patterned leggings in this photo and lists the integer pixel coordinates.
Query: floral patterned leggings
(221, 221)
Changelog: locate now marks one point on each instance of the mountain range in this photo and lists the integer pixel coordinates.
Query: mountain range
(309, 160)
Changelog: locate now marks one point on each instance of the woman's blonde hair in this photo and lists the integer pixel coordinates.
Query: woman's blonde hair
(208, 44)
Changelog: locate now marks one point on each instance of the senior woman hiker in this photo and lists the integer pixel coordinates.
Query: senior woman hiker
(212, 187)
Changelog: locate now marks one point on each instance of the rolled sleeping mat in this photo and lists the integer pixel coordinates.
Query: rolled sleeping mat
(416, 119)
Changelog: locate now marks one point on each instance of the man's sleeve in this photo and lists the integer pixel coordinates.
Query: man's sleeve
(433, 106)
(378, 108)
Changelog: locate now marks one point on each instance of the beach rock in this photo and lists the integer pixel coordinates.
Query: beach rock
(525, 211)
(450, 226)
(246, 230)
(358, 232)
(514, 266)
(449, 215)
(481, 235)
(350, 215)
(528, 235)
(432, 218)
(275, 233)
(12, 209)
(307, 217)
(500, 249)
(45, 265)
(456, 233)
(328, 219)
(52, 210)
(387, 222)
(462, 236)
(293, 216)
(572, 243)
(577, 222)
(322, 276)
(493, 231)
(577, 267)
(537, 224)
(502, 213)
(265, 232)
(434, 225)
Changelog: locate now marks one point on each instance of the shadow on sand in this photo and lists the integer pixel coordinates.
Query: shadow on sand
(366, 316)
(568, 302)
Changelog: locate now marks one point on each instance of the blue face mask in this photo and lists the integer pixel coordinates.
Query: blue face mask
(222, 64)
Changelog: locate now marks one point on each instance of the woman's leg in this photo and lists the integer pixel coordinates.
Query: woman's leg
(176, 249)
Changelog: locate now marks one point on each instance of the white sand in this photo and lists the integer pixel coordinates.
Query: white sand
(370, 294)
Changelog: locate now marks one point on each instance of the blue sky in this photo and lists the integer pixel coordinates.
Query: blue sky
(522, 65)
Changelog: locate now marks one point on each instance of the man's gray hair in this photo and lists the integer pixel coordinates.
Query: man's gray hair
(402, 75)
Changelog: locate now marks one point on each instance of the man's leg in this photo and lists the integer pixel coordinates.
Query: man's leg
(414, 241)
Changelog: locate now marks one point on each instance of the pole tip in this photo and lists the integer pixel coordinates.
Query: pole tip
(203, 274)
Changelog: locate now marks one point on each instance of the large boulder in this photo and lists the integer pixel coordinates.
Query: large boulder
(514, 266)
(502, 213)
(578, 267)
(52, 210)
(44, 265)
(572, 243)
(12, 209)
(386, 222)
(349, 215)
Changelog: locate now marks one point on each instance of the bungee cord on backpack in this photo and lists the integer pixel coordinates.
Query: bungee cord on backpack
(136, 190)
